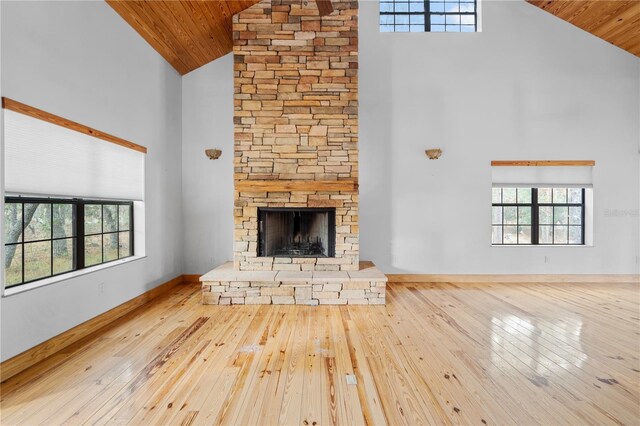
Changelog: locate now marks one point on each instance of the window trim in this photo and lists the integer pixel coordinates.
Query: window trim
(535, 219)
(78, 234)
(427, 13)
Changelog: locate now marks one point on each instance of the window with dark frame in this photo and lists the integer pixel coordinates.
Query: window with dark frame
(45, 237)
(538, 216)
(428, 16)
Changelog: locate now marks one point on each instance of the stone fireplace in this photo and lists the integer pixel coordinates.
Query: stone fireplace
(296, 237)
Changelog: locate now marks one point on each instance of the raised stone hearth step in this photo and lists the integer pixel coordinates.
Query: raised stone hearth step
(224, 286)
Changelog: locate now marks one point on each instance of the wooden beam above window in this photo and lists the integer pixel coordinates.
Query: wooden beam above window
(542, 163)
(21, 108)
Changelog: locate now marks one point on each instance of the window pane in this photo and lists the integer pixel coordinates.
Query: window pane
(575, 195)
(125, 213)
(467, 19)
(402, 28)
(524, 235)
(509, 195)
(416, 19)
(37, 260)
(453, 28)
(92, 250)
(63, 258)
(511, 215)
(524, 195)
(13, 274)
(110, 213)
(560, 215)
(575, 235)
(439, 20)
(467, 7)
(496, 195)
(559, 195)
(544, 195)
(386, 7)
(496, 215)
(437, 7)
(92, 219)
(453, 19)
(39, 227)
(496, 235)
(416, 7)
(62, 220)
(437, 28)
(575, 215)
(545, 234)
(110, 247)
(12, 223)
(560, 234)
(468, 28)
(545, 215)
(416, 28)
(524, 215)
(402, 19)
(386, 28)
(451, 7)
(125, 245)
(402, 7)
(386, 19)
(510, 234)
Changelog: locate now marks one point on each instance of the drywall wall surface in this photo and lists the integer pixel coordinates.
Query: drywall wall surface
(81, 61)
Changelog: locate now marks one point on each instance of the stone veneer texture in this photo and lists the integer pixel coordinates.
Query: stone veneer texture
(296, 118)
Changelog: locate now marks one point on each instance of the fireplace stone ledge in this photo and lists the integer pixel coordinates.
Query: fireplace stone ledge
(226, 286)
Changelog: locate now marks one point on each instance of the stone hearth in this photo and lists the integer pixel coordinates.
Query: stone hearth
(226, 286)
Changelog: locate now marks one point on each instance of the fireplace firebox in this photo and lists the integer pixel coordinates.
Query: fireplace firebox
(296, 232)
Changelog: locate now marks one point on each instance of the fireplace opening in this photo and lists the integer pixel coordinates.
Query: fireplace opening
(292, 232)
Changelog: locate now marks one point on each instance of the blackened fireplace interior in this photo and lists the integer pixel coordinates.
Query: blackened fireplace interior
(293, 232)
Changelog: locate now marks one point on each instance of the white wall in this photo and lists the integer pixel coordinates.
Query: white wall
(530, 86)
(80, 60)
(207, 185)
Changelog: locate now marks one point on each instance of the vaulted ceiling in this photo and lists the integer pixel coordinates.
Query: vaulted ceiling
(617, 22)
(192, 33)
(188, 34)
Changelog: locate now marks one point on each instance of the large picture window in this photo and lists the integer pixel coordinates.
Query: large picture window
(538, 216)
(428, 16)
(47, 237)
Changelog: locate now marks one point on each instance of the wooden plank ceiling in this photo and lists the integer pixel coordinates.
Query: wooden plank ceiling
(617, 22)
(187, 33)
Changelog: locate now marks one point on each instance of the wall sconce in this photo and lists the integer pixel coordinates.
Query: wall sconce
(213, 154)
(433, 154)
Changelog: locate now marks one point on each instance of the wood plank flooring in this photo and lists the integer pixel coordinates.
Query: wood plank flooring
(437, 353)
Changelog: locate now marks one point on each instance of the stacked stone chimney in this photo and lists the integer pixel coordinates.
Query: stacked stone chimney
(296, 124)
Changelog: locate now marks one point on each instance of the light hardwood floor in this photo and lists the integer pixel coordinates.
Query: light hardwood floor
(441, 353)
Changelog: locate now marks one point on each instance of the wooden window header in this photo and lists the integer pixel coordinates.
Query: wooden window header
(21, 108)
(543, 163)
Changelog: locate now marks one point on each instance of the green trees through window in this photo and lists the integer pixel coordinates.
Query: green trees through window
(42, 236)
